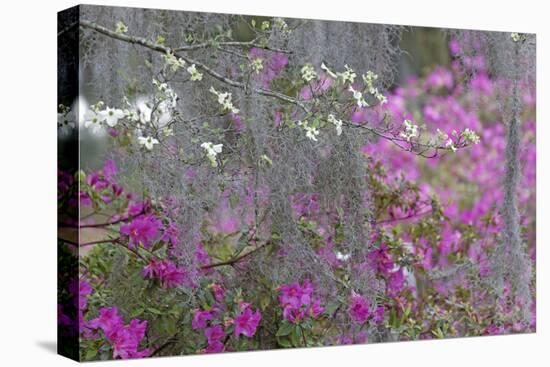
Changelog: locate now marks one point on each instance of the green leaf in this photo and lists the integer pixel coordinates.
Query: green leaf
(137, 312)
(285, 343)
(331, 307)
(90, 354)
(285, 329)
(296, 336)
(233, 200)
(154, 311)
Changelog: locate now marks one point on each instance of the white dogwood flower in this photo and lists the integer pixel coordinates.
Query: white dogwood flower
(212, 150)
(194, 73)
(337, 123)
(173, 62)
(112, 115)
(470, 136)
(308, 72)
(225, 100)
(342, 257)
(92, 121)
(257, 65)
(450, 145)
(121, 28)
(361, 103)
(348, 75)
(148, 142)
(411, 130)
(311, 132)
(65, 121)
(369, 80)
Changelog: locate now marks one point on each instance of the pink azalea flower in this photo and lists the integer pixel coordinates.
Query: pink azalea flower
(169, 274)
(85, 199)
(124, 339)
(296, 301)
(379, 314)
(247, 322)
(316, 309)
(359, 308)
(142, 230)
(214, 347)
(219, 292)
(396, 281)
(214, 334)
(171, 233)
(200, 319)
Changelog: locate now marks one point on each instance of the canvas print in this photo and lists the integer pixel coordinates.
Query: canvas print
(231, 183)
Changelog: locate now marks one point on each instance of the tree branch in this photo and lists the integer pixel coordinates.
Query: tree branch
(163, 49)
(252, 43)
(238, 258)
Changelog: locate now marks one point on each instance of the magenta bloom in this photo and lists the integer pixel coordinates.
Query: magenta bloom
(359, 308)
(171, 233)
(294, 315)
(214, 347)
(316, 309)
(200, 319)
(169, 274)
(214, 334)
(379, 314)
(295, 295)
(219, 292)
(142, 230)
(396, 281)
(84, 290)
(381, 259)
(296, 301)
(124, 339)
(85, 199)
(247, 322)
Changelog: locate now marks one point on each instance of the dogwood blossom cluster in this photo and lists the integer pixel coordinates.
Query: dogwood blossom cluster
(121, 28)
(516, 37)
(411, 130)
(257, 65)
(282, 25)
(95, 116)
(224, 99)
(470, 136)
(347, 76)
(194, 74)
(311, 131)
(308, 72)
(173, 62)
(65, 120)
(358, 96)
(369, 78)
(147, 141)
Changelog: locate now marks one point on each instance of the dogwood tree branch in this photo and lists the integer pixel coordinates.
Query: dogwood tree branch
(165, 50)
(252, 43)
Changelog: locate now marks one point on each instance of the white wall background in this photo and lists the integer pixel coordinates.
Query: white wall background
(28, 182)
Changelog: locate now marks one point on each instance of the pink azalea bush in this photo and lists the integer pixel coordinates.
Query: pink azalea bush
(165, 279)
